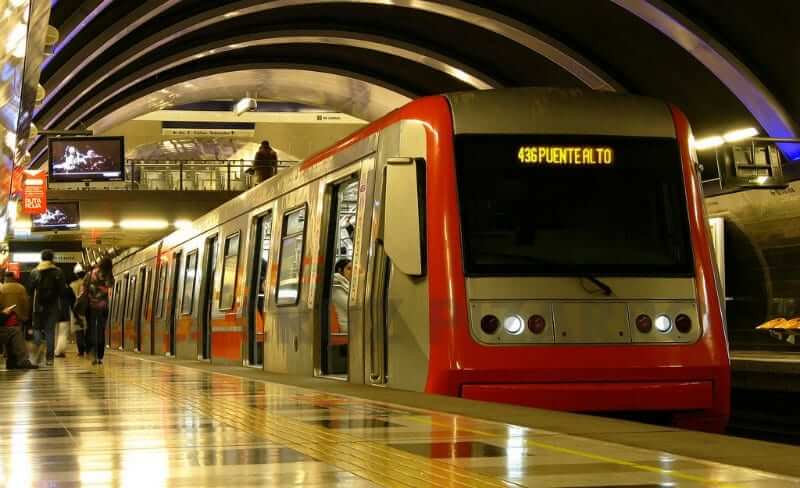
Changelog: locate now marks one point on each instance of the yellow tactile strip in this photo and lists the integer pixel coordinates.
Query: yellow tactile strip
(372, 461)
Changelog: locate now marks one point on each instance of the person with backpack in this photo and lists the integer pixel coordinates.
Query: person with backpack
(97, 287)
(47, 290)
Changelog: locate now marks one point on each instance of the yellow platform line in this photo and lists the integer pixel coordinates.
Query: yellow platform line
(588, 455)
(375, 462)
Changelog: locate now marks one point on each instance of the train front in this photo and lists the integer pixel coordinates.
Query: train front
(574, 264)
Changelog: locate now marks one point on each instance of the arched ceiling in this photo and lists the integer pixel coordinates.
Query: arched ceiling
(727, 64)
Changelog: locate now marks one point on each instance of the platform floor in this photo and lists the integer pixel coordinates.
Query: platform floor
(144, 423)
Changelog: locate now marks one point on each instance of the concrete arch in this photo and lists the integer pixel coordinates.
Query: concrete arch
(538, 42)
(380, 44)
(734, 74)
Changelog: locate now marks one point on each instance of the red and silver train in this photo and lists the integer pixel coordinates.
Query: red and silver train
(532, 246)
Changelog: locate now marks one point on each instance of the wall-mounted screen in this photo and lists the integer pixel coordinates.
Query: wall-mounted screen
(58, 216)
(86, 159)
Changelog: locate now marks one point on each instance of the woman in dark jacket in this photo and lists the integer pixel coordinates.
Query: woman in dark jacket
(98, 285)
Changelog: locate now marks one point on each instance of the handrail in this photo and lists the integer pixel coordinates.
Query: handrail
(192, 174)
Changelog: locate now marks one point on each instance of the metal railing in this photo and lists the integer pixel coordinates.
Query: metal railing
(187, 175)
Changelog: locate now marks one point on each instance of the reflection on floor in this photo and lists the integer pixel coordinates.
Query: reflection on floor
(138, 423)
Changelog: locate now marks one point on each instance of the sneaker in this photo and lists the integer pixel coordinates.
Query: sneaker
(62, 355)
(100, 361)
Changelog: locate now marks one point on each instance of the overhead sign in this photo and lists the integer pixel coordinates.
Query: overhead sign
(34, 192)
(207, 132)
(566, 155)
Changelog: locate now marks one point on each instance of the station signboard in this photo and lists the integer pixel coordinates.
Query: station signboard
(34, 192)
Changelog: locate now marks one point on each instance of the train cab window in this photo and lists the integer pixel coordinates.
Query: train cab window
(572, 205)
(336, 303)
(187, 304)
(291, 257)
(229, 265)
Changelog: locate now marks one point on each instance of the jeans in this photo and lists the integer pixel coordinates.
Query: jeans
(97, 331)
(44, 328)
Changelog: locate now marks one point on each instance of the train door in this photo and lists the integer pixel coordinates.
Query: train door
(207, 288)
(396, 323)
(173, 303)
(129, 313)
(123, 308)
(262, 243)
(334, 337)
(140, 307)
(158, 299)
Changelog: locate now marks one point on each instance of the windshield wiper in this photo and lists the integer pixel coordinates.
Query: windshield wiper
(607, 291)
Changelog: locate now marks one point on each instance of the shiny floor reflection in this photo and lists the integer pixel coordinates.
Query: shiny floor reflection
(139, 423)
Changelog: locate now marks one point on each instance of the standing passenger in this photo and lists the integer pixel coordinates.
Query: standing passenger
(99, 283)
(78, 325)
(265, 163)
(46, 288)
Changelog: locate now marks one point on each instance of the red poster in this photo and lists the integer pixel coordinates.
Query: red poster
(34, 192)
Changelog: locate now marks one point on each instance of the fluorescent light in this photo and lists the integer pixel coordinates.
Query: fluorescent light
(25, 257)
(96, 224)
(739, 134)
(244, 105)
(144, 224)
(183, 224)
(708, 142)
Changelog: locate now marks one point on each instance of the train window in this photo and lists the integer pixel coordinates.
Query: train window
(229, 265)
(189, 273)
(572, 205)
(161, 285)
(291, 256)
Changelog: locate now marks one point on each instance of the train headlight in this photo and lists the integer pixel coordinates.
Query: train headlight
(683, 323)
(536, 324)
(663, 324)
(490, 324)
(514, 324)
(644, 323)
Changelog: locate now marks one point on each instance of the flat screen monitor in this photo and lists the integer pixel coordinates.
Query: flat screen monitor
(58, 216)
(86, 159)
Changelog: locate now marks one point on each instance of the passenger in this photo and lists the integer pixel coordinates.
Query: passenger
(13, 292)
(265, 163)
(340, 291)
(62, 328)
(12, 339)
(46, 288)
(98, 284)
(78, 321)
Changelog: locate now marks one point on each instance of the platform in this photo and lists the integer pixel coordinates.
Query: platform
(142, 422)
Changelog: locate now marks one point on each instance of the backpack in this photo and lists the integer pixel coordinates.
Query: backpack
(48, 288)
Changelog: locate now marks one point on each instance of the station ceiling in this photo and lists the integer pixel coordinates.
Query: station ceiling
(727, 64)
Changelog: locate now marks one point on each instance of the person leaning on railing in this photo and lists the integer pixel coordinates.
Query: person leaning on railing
(265, 163)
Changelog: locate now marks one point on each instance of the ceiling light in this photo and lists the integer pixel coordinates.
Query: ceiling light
(144, 224)
(244, 105)
(183, 224)
(96, 224)
(739, 134)
(708, 142)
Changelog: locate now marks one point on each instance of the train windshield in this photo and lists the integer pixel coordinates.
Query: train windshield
(572, 205)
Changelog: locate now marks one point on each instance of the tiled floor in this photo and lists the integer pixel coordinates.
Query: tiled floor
(139, 423)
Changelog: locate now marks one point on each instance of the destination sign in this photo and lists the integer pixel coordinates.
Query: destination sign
(566, 155)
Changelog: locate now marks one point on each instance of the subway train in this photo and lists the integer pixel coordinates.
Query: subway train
(533, 246)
